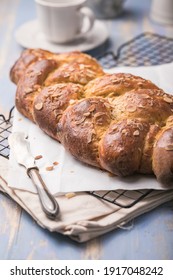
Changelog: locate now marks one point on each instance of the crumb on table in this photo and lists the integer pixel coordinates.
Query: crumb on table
(49, 168)
(38, 157)
(70, 194)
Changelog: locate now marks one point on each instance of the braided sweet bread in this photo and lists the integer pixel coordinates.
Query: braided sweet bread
(118, 122)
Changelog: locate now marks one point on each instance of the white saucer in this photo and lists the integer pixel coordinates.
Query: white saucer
(29, 36)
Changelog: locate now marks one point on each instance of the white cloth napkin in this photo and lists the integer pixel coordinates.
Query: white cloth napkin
(83, 216)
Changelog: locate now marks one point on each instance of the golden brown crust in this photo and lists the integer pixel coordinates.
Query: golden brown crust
(112, 85)
(75, 73)
(41, 69)
(30, 85)
(82, 126)
(118, 122)
(27, 57)
(163, 157)
(50, 104)
(121, 147)
(142, 103)
(146, 160)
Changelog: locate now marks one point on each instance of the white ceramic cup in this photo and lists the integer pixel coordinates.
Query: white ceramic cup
(162, 11)
(63, 21)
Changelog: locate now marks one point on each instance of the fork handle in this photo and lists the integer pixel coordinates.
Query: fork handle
(47, 200)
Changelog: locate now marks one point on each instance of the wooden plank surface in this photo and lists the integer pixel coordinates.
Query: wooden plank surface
(147, 237)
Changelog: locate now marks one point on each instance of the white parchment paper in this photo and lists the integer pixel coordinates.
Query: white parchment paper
(71, 175)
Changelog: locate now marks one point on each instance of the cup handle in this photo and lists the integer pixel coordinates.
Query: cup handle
(87, 13)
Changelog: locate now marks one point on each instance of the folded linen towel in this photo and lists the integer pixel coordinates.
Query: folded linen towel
(83, 216)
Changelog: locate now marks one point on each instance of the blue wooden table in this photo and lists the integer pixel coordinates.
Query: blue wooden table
(151, 236)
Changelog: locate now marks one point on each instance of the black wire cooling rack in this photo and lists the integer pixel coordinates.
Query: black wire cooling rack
(145, 49)
(5, 130)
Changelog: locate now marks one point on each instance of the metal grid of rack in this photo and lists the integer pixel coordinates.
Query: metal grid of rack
(145, 49)
(122, 198)
(5, 130)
